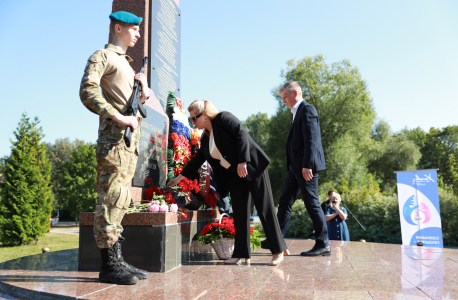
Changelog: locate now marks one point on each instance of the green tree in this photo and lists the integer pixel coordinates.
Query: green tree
(448, 201)
(26, 196)
(389, 153)
(257, 126)
(58, 153)
(417, 135)
(440, 151)
(3, 161)
(77, 178)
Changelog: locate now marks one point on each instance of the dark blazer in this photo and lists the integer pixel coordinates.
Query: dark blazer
(235, 145)
(303, 147)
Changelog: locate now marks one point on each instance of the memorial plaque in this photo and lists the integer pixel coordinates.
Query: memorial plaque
(165, 49)
(152, 158)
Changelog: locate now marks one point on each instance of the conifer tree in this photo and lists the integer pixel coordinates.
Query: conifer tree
(26, 198)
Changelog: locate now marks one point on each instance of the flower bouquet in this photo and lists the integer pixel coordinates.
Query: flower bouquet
(221, 236)
(158, 200)
(182, 146)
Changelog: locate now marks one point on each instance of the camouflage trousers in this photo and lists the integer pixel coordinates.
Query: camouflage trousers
(115, 170)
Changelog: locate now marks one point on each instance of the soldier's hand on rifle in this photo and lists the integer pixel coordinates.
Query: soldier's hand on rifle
(126, 121)
(145, 92)
(142, 78)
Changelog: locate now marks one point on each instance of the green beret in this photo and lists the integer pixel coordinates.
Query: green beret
(126, 17)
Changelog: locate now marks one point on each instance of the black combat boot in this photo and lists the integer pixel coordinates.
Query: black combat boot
(141, 274)
(112, 270)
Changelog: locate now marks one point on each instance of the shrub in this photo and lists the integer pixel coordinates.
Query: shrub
(448, 203)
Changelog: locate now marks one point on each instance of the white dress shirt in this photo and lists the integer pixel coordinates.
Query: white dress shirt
(295, 107)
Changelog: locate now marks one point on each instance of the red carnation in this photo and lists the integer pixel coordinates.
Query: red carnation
(178, 170)
(179, 103)
(174, 136)
(185, 215)
(149, 193)
(177, 156)
(206, 229)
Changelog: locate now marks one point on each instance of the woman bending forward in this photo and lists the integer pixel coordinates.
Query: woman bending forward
(240, 168)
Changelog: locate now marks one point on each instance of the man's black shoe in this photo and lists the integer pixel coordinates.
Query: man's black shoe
(316, 251)
(141, 274)
(112, 271)
(265, 244)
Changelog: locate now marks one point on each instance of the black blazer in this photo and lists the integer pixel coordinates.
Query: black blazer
(235, 145)
(303, 147)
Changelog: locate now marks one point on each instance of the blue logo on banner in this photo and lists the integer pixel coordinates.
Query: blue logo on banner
(410, 206)
(408, 209)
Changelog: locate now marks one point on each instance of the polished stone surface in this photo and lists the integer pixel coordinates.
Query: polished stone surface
(354, 271)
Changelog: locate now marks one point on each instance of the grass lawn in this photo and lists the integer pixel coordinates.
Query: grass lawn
(54, 241)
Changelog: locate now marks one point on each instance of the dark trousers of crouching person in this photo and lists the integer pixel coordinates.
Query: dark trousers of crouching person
(261, 194)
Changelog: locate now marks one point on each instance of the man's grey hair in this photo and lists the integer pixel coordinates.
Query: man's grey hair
(291, 86)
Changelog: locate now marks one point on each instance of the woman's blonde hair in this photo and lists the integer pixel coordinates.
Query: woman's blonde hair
(200, 106)
(335, 196)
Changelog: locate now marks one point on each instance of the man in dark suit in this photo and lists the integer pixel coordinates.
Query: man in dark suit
(305, 158)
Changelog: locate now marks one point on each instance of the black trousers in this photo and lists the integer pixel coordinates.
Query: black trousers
(261, 194)
(293, 185)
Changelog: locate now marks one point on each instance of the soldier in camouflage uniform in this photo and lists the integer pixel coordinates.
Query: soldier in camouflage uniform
(109, 69)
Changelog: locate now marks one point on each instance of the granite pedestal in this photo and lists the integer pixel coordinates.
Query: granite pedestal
(156, 242)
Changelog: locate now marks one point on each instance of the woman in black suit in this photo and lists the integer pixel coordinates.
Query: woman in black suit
(240, 168)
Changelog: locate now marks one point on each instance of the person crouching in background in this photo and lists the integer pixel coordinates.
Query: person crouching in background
(336, 216)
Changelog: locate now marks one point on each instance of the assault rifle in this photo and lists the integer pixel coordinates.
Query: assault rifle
(134, 105)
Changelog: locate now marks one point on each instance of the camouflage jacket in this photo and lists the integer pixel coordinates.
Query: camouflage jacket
(108, 69)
